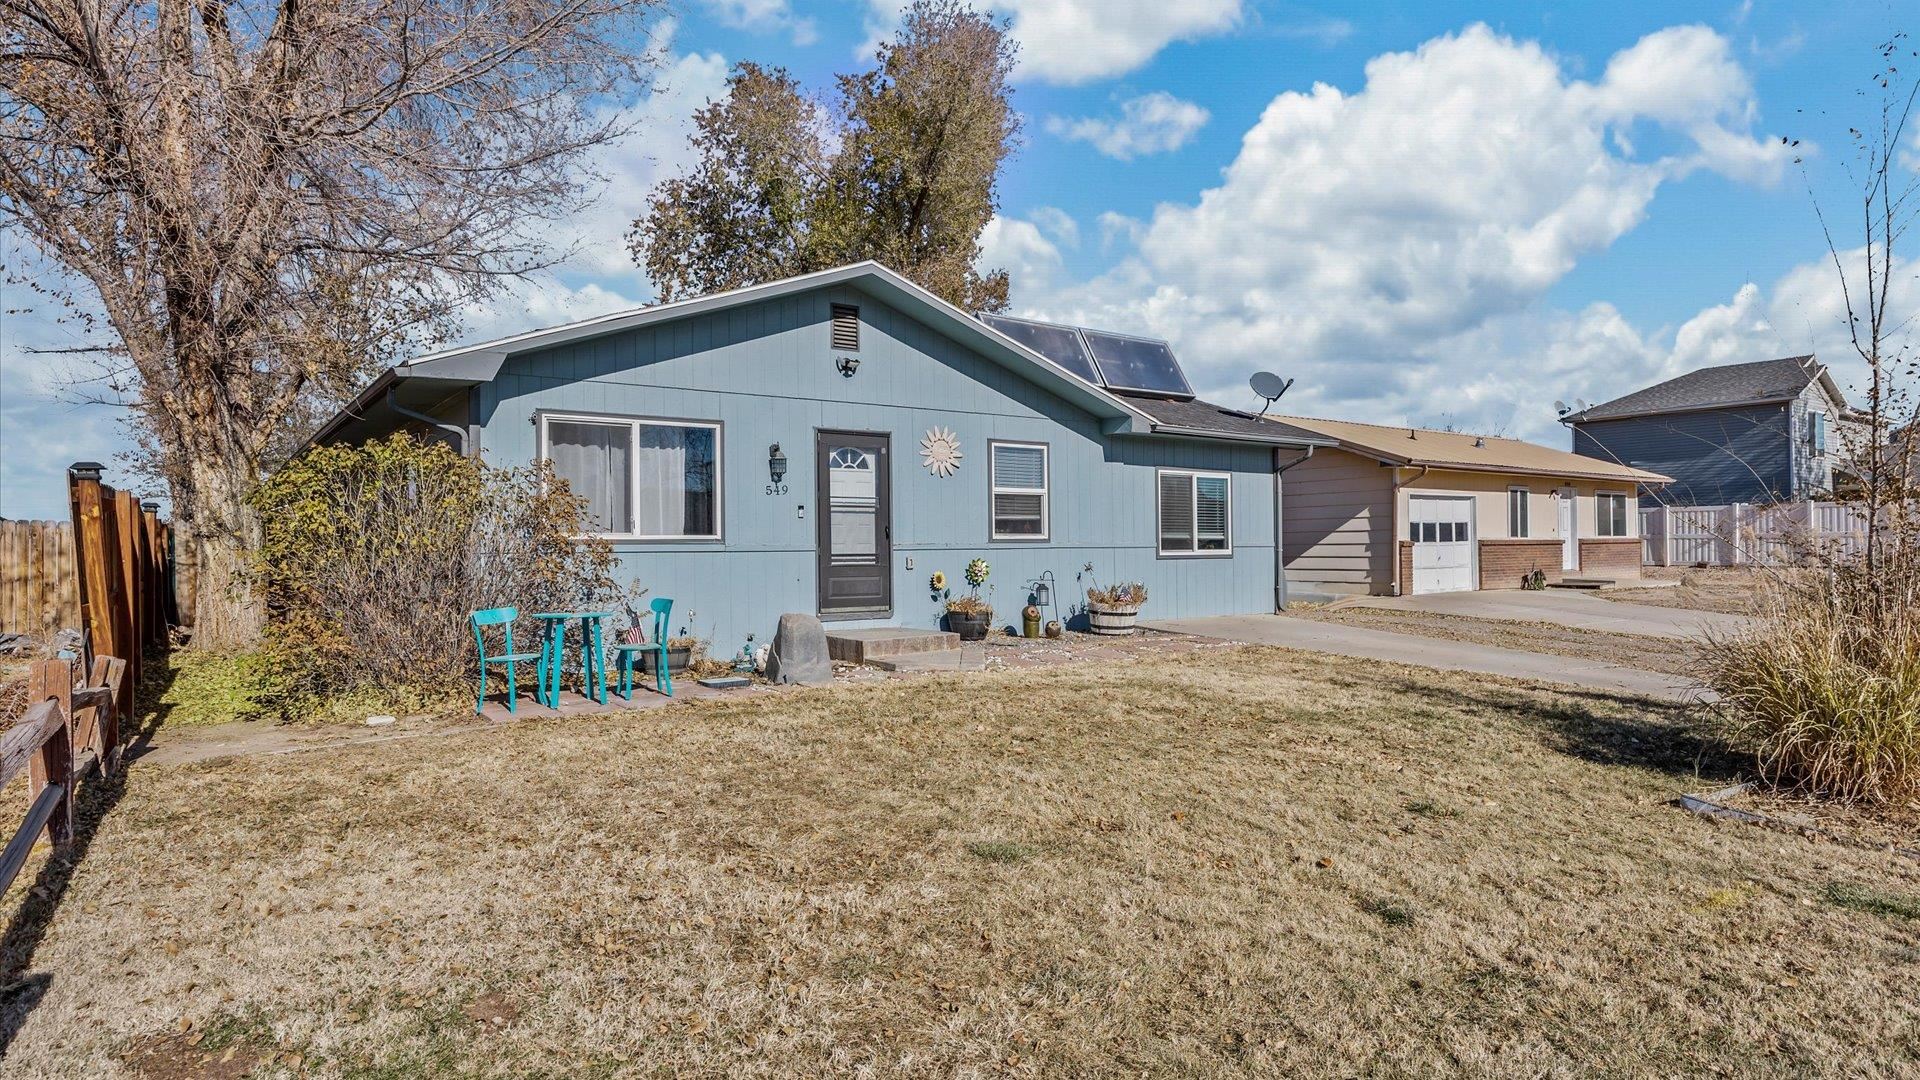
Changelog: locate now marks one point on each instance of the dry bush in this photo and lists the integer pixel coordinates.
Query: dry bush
(375, 556)
(1824, 687)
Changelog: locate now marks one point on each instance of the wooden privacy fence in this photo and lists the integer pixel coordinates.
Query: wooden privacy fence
(39, 592)
(1740, 534)
(63, 720)
(123, 555)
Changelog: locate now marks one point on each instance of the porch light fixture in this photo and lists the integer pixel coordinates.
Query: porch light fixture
(776, 463)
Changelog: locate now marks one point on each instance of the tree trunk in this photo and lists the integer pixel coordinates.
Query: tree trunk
(224, 532)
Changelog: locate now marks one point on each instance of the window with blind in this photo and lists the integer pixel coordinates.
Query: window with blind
(1612, 511)
(641, 479)
(1196, 513)
(1518, 525)
(1019, 485)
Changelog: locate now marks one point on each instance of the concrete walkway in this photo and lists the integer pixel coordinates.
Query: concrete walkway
(1559, 606)
(1342, 640)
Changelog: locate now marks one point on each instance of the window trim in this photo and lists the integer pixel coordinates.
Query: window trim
(633, 424)
(1045, 491)
(1526, 512)
(1817, 433)
(1193, 495)
(1600, 521)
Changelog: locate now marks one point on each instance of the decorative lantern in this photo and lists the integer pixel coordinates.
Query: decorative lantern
(776, 463)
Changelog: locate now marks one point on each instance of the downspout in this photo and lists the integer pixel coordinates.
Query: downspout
(1279, 549)
(1395, 495)
(460, 433)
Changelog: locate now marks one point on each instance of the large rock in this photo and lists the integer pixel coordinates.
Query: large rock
(799, 653)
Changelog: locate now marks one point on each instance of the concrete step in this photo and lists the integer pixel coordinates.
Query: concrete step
(965, 658)
(1582, 583)
(887, 643)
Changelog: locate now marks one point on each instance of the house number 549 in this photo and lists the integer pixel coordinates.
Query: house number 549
(776, 489)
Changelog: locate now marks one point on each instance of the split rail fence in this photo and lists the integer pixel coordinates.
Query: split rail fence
(1740, 534)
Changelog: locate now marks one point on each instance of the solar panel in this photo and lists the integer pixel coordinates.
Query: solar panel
(1138, 364)
(1060, 344)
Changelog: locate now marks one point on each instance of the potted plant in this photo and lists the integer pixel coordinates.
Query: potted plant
(1113, 610)
(971, 615)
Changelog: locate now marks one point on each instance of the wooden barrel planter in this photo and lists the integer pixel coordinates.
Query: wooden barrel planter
(678, 658)
(970, 627)
(1112, 620)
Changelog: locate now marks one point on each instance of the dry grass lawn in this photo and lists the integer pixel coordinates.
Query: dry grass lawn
(1673, 656)
(1725, 589)
(1244, 860)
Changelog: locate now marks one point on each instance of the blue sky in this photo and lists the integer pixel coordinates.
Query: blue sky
(1424, 213)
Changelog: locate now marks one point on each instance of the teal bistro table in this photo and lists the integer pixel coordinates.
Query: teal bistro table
(553, 648)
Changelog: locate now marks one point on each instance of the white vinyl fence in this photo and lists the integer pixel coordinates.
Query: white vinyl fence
(1742, 533)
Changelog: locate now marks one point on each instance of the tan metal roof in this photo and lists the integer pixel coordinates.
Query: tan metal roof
(1467, 452)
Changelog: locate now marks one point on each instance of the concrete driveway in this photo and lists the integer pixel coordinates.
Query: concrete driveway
(1579, 610)
(1342, 640)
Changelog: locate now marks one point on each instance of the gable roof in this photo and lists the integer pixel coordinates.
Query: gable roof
(433, 375)
(1760, 382)
(1466, 452)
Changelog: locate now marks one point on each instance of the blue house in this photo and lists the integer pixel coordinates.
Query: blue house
(825, 443)
(1758, 432)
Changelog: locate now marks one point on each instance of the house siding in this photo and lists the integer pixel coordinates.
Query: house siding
(1714, 456)
(765, 371)
(1337, 535)
(1812, 472)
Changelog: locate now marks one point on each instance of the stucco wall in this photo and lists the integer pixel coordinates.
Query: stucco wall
(766, 373)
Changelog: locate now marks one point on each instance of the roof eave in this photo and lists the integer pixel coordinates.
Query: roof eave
(1584, 417)
(1229, 436)
(1638, 477)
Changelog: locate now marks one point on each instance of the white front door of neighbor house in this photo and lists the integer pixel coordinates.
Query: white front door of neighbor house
(1569, 530)
(1442, 533)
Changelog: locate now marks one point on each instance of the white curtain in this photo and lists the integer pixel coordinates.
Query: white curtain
(662, 467)
(592, 458)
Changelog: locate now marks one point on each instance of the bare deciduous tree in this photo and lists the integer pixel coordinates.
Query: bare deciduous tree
(273, 196)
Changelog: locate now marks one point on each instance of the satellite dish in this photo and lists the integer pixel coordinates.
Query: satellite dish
(1561, 407)
(1269, 386)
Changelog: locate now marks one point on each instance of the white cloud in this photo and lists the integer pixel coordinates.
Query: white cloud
(1154, 123)
(1020, 248)
(1058, 225)
(764, 17)
(630, 168)
(1079, 41)
(1325, 31)
(1382, 244)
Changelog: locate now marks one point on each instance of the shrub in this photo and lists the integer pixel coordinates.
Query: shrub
(374, 556)
(1824, 687)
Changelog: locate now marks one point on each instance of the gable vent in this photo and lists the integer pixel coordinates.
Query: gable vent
(846, 328)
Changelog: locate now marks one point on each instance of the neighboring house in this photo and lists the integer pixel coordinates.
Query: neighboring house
(1398, 510)
(1756, 433)
(785, 447)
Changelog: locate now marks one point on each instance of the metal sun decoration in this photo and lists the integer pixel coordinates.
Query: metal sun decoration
(940, 452)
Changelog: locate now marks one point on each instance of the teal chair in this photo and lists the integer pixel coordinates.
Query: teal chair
(662, 678)
(502, 616)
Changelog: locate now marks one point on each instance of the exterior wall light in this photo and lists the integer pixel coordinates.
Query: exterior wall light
(776, 463)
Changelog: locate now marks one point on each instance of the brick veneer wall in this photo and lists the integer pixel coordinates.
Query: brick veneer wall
(1505, 563)
(1611, 556)
(1406, 568)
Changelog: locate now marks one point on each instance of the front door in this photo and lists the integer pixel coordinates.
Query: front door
(856, 524)
(1442, 534)
(1569, 531)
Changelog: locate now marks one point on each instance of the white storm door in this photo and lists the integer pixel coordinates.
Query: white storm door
(1569, 531)
(1442, 533)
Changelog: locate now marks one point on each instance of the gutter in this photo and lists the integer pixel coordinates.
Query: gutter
(1398, 484)
(1279, 550)
(1225, 436)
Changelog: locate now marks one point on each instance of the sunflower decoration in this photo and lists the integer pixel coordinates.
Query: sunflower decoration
(939, 581)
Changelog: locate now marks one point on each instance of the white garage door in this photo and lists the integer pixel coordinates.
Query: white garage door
(1442, 533)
